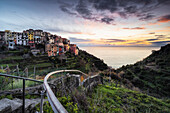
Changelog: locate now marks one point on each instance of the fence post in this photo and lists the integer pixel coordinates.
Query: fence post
(23, 97)
(12, 83)
(34, 72)
(41, 104)
(7, 69)
(17, 70)
(26, 71)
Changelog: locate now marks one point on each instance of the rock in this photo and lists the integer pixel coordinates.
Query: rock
(15, 106)
(5, 108)
(29, 102)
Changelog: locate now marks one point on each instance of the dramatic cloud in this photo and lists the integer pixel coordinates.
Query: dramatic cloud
(82, 9)
(131, 9)
(135, 28)
(127, 22)
(107, 20)
(93, 9)
(110, 5)
(165, 18)
(145, 17)
(65, 8)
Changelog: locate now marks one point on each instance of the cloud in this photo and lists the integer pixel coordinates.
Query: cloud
(65, 7)
(82, 9)
(151, 39)
(160, 36)
(72, 39)
(131, 9)
(115, 40)
(134, 28)
(160, 43)
(110, 5)
(119, 42)
(145, 17)
(165, 18)
(58, 29)
(152, 33)
(107, 20)
(103, 10)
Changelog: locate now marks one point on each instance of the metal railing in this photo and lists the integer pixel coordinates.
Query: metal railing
(23, 86)
(54, 102)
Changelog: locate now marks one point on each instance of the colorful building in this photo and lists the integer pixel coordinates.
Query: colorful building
(66, 43)
(36, 40)
(25, 39)
(19, 39)
(74, 49)
(2, 38)
(30, 34)
(52, 50)
(37, 36)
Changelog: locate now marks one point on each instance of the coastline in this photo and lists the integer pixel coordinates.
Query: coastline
(116, 57)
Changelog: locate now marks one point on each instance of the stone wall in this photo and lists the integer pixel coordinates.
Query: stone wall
(68, 81)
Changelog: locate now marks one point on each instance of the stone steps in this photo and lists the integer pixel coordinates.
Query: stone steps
(15, 105)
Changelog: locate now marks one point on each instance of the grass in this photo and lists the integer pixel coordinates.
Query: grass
(107, 98)
(10, 65)
(19, 84)
(12, 58)
(41, 65)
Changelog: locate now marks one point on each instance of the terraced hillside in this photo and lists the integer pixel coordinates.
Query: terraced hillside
(24, 59)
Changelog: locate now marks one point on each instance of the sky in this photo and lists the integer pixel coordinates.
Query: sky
(92, 22)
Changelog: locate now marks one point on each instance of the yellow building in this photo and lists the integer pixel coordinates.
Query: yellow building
(30, 36)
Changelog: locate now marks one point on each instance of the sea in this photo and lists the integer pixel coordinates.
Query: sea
(116, 57)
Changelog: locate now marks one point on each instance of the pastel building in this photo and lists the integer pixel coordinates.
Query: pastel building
(25, 39)
(66, 43)
(19, 39)
(51, 49)
(30, 34)
(8, 34)
(37, 36)
(10, 40)
(37, 40)
(74, 49)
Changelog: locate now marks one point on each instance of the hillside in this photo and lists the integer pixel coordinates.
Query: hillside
(106, 98)
(111, 98)
(44, 64)
(152, 75)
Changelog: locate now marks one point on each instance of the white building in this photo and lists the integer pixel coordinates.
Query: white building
(19, 39)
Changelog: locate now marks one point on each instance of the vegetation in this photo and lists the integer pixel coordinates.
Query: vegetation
(65, 101)
(84, 62)
(107, 98)
(152, 74)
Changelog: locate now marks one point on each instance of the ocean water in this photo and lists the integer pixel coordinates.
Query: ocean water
(119, 56)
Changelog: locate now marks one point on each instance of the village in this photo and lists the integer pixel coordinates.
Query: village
(37, 41)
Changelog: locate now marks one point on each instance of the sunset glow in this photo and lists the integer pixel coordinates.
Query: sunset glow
(92, 22)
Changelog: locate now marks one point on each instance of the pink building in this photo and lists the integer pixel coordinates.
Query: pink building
(74, 49)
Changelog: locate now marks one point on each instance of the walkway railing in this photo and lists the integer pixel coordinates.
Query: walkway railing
(23, 86)
(54, 102)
